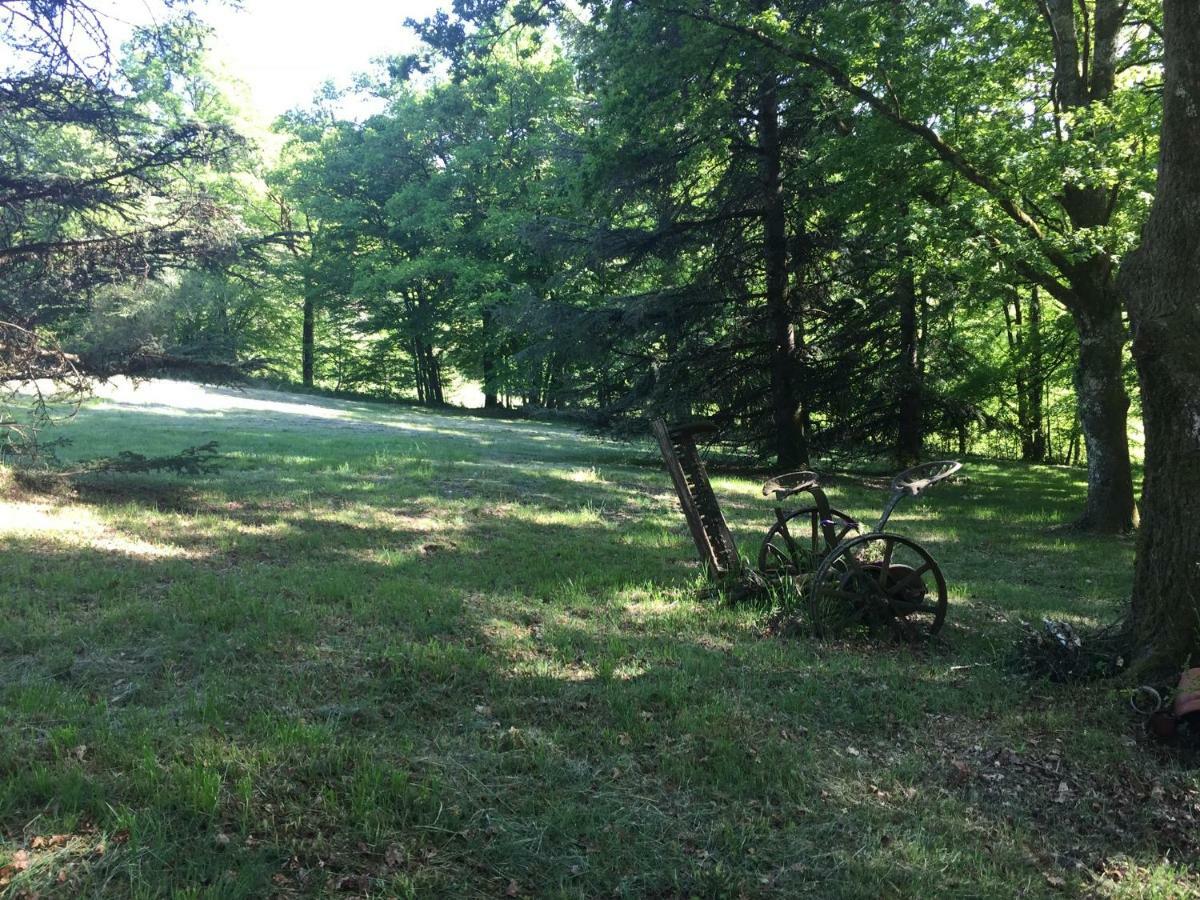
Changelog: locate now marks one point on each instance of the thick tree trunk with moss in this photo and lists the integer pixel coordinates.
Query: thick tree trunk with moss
(1103, 410)
(1161, 285)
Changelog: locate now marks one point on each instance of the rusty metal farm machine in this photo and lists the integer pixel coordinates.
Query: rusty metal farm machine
(850, 577)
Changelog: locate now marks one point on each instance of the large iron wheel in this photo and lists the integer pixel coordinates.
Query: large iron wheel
(878, 582)
(795, 545)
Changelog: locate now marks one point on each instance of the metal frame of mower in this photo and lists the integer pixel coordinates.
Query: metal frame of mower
(850, 579)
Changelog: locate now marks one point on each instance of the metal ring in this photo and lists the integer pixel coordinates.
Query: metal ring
(1154, 697)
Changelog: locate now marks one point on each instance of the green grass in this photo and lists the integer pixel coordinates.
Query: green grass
(404, 654)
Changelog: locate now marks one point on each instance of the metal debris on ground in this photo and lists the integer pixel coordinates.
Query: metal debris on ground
(1181, 722)
(1058, 652)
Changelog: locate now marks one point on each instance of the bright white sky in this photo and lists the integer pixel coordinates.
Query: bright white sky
(284, 50)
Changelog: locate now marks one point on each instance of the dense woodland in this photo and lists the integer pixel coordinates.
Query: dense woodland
(884, 228)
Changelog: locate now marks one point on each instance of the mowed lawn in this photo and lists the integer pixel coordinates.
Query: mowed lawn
(387, 652)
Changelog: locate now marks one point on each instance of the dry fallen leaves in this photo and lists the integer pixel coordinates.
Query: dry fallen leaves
(45, 842)
(18, 863)
(352, 882)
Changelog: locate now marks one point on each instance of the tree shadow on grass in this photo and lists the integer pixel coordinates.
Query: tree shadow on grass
(571, 738)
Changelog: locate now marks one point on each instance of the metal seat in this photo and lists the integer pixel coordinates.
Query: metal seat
(784, 486)
(919, 478)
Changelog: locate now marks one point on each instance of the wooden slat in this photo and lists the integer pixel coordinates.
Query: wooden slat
(700, 508)
(723, 548)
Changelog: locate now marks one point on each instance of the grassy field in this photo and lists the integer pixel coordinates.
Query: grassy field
(391, 653)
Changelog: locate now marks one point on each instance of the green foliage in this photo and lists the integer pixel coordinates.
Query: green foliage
(424, 214)
(104, 164)
(567, 208)
(203, 459)
(574, 218)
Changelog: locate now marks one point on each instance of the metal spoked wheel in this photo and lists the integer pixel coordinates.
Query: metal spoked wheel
(794, 547)
(878, 582)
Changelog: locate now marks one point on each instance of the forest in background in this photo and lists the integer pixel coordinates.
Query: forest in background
(611, 211)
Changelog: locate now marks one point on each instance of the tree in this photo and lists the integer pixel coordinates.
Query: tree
(1023, 328)
(658, 216)
(700, 191)
(1161, 285)
(422, 237)
(100, 160)
(1063, 212)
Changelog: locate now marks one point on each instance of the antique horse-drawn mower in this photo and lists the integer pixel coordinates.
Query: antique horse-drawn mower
(849, 579)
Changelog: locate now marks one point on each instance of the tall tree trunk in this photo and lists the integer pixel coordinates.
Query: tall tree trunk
(1161, 284)
(553, 398)
(434, 368)
(1084, 79)
(1072, 457)
(1025, 344)
(909, 433)
(1036, 381)
(308, 327)
(491, 398)
(1016, 349)
(421, 369)
(307, 337)
(799, 258)
(790, 449)
(418, 364)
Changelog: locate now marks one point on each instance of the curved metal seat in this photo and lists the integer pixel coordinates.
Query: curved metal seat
(783, 486)
(920, 478)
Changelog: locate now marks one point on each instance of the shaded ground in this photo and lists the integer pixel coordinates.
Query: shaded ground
(393, 653)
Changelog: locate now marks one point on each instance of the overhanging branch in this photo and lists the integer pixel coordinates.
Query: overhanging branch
(944, 150)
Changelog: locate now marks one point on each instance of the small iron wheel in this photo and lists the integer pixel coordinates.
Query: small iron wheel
(795, 545)
(878, 582)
